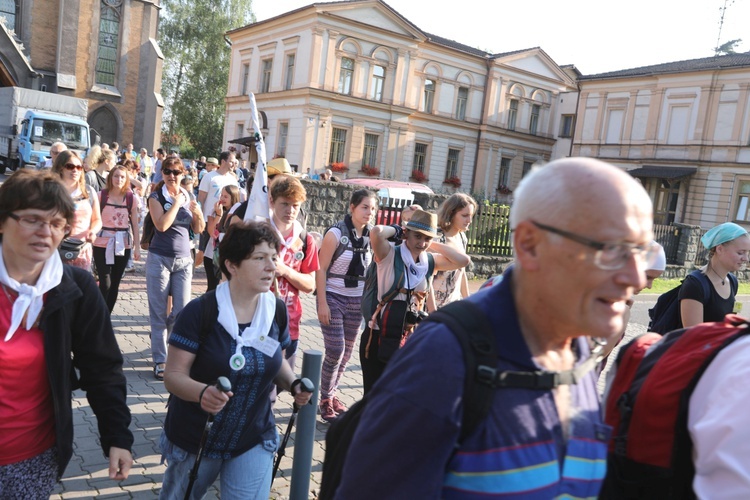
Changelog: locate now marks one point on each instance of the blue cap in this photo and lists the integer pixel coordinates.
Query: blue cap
(721, 234)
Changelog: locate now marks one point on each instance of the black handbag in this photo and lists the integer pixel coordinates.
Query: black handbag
(70, 248)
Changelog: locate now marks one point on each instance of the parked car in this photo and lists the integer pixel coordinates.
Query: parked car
(393, 195)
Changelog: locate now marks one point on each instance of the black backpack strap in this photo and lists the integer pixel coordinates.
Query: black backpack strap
(281, 317)
(209, 315)
(474, 332)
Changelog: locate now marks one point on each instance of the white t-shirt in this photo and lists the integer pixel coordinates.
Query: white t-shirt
(719, 427)
(212, 183)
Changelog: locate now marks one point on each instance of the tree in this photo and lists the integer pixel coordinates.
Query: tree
(728, 48)
(196, 68)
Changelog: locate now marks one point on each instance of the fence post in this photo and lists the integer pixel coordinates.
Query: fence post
(304, 436)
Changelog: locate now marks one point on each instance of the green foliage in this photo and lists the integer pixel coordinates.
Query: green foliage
(664, 285)
(728, 48)
(196, 69)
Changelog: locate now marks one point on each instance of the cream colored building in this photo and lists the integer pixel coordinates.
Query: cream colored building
(681, 127)
(356, 83)
(101, 50)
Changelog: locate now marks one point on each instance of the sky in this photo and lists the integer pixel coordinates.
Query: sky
(594, 35)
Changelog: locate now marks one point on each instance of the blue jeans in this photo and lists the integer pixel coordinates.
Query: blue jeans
(165, 276)
(244, 477)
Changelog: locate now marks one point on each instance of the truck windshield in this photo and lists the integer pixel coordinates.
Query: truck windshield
(48, 132)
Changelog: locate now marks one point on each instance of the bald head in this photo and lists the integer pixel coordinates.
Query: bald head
(574, 190)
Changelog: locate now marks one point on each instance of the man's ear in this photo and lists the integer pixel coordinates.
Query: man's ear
(526, 239)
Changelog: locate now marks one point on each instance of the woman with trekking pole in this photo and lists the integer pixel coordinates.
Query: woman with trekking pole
(728, 245)
(344, 257)
(57, 337)
(237, 331)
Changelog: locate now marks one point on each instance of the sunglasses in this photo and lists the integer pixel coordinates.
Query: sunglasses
(73, 166)
(167, 171)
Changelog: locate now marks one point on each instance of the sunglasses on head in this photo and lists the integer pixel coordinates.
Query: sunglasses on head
(73, 166)
(167, 171)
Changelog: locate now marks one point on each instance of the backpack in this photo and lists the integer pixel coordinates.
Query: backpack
(148, 224)
(340, 249)
(476, 336)
(104, 196)
(665, 315)
(650, 454)
(370, 301)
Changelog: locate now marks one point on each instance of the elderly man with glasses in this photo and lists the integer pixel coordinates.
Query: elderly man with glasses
(54, 150)
(582, 239)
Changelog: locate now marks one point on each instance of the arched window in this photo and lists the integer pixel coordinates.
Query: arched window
(8, 10)
(109, 36)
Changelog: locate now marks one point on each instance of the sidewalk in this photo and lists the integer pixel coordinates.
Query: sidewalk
(86, 475)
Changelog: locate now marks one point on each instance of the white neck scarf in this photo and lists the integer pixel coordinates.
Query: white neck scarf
(288, 242)
(415, 272)
(169, 198)
(30, 298)
(262, 319)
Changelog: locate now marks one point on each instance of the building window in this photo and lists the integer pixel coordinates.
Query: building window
(429, 95)
(526, 168)
(451, 169)
(245, 76)
(512, 114)
(534, 120)
(345, 78)
(370, 155)
(743, 203)
(378, 78)
(283, 133)
(463, 96)
(566, 126)
(289, 78)
(265, 82)
(420, 157)
(503, 182)
(240, 131)
(8, 11)
(338, 146)
(109, 35)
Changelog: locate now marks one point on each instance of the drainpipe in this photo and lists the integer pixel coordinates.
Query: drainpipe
(488, 62)
(575, 119)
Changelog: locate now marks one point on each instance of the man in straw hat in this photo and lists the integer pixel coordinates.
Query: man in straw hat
(395, 318)
(582, 232)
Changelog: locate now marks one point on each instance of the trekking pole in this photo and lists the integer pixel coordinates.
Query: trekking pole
(306, 386)
(224, 385)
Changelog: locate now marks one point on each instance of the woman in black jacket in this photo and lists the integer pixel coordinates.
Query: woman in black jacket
(55, 321)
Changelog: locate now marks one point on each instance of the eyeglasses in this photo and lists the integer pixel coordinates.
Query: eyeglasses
(35, 223)
(73, 166)
(167, 171)
(608, 256)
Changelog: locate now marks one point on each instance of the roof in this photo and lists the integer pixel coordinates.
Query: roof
(662, 172)
(704, 64)
(456, 45)
(373, 182)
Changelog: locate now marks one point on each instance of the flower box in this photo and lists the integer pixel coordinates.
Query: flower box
(453, 181)
(369, 170)
(339, 167)
(418, 175)
(502, 189)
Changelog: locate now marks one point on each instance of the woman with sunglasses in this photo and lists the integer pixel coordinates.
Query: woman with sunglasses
(88, 220)
(169, 265)
(56, 337)
(119, 235)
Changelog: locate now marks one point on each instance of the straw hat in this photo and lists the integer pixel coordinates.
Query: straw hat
(212, 161)
(279, 166)
(424, 222)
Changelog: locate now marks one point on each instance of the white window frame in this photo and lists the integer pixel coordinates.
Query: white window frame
(461, 102)
(512, 113)
(337, 151)
(291, 61)
(536, 111)
(370, 150)
(452, 163)
(245, 78)
(429, 95)
(346, 76)
(266, 71)
(283, 137)
(420, 157)
(378, 83)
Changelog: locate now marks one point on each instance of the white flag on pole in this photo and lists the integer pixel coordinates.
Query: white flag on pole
(257, 202)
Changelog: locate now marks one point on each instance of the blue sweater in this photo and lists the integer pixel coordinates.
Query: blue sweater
(405, 445)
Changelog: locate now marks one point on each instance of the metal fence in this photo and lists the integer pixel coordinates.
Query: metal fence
(669, 238)
(389, 211)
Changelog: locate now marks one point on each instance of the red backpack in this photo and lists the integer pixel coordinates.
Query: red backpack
(650, 454)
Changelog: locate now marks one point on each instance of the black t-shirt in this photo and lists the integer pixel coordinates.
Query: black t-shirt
(717, 307)
(247, 419)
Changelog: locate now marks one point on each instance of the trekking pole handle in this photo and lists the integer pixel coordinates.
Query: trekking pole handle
(306, 386)
(223, 384)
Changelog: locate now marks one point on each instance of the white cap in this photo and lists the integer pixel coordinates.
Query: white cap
(660, 260)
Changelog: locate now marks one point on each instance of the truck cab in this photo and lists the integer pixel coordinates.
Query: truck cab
(39, 130)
